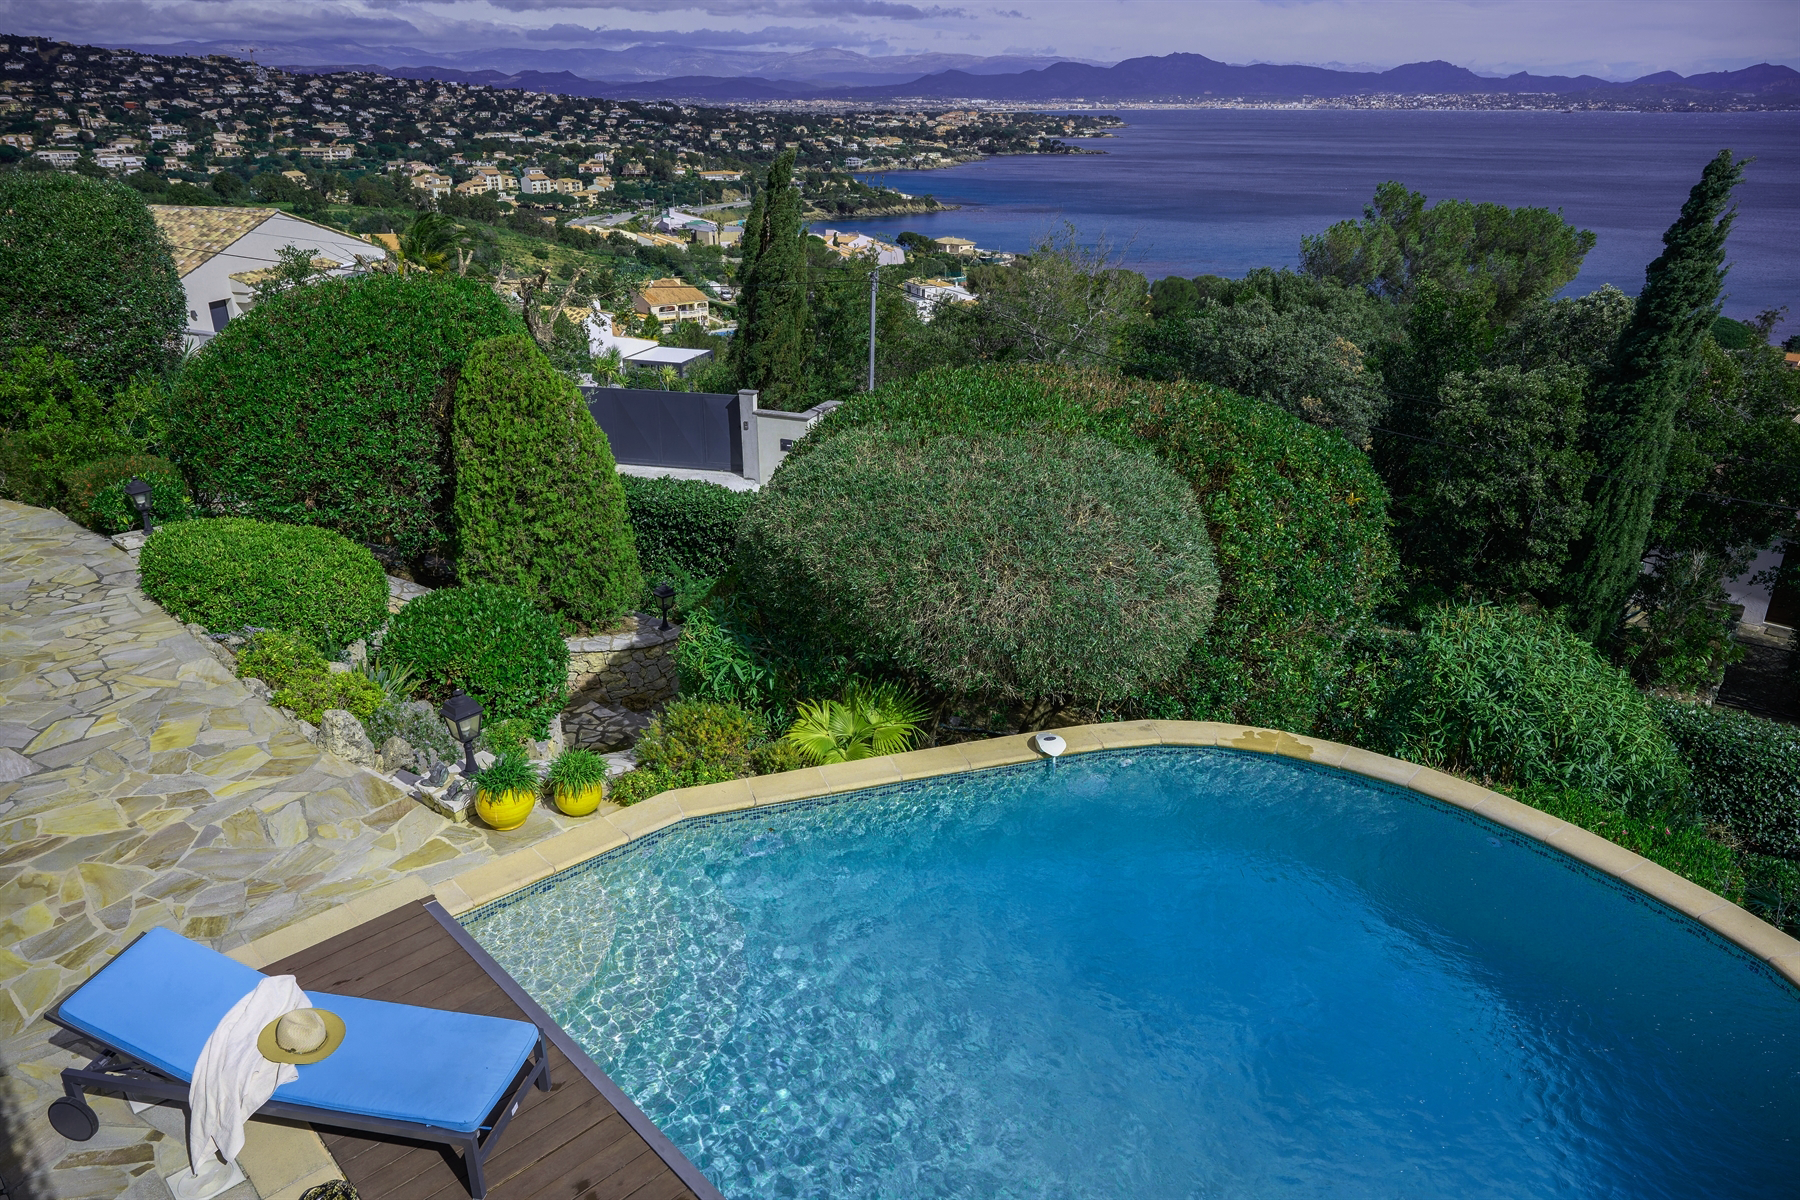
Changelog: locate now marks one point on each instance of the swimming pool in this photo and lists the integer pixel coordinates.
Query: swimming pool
(1159, 973)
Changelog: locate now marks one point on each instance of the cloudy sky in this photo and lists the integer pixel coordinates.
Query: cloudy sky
(1612, 38)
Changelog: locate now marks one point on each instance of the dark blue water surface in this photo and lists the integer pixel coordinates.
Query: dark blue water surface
(1160, 975)
(1223, 191)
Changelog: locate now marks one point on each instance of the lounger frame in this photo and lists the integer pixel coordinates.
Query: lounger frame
(116, 1071)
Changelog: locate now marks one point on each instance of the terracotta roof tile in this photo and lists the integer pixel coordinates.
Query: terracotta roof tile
(197, 233)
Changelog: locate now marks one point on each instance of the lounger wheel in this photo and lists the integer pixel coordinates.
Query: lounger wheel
(73, 1119)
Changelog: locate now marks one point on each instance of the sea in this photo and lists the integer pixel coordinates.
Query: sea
(1223, 191)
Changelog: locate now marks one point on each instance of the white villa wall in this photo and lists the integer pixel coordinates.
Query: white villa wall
(259, 248)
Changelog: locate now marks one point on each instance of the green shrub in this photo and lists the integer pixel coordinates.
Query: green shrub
(701, 742)
(489, 641)
(684, 524)
(1772, 890)
(716, 661)
(1677, 846)
(232, 574)
(504, 737)
(417, 723)
(1025, 569)
(298, 675)
(85, 273)
(94, 493)
(310, 695)
(538, 504)
(330, 405)
(1518, 699)
(50, 423)
(772, 758)
(636, 786)
(1744, 772)
(278, 657)
(1297, 516)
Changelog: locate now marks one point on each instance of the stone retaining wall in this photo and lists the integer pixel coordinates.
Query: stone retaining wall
(632, 668)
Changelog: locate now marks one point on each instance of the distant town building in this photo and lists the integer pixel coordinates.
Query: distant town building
(671, 300)
(858, 245)
(955, 245)
(927, 294)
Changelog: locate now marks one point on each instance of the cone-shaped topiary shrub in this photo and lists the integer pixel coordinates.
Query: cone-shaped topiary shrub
(232, 575)
(538, 508)
(329, 405)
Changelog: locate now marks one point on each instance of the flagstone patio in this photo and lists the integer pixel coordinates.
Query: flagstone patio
(141, 784)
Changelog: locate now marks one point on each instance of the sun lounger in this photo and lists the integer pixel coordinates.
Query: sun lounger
(402, 1071)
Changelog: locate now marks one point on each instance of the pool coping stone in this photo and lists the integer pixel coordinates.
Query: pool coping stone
(522, 868)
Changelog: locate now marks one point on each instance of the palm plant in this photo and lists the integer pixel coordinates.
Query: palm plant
(427, 242)
(871, 719)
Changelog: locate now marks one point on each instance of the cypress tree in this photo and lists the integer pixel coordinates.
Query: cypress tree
(771, 345)
(1652, 366)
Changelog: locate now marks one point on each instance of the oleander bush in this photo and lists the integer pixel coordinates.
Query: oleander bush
(1517, 699)
(491, 642)
(1744, 773)
(1298, 517)
(1022, 569)
(538, 504)
(94, 493)
(230, 575)
(330, 405)
(684, 525)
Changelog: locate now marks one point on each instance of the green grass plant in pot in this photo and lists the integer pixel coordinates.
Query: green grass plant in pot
(578, 782)
(506, 792)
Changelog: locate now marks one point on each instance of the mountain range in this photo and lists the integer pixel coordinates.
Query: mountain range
(723, 76)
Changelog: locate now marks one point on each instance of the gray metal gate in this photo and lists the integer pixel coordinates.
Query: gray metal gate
(699, 431)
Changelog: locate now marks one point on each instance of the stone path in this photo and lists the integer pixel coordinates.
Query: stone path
(141, 784)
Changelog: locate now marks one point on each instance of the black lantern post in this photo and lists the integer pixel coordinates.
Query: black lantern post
(138, 492)
(462, 713)
(664, 594)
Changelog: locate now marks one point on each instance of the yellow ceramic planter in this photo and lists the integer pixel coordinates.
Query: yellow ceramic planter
(579, 802)
(504, 810)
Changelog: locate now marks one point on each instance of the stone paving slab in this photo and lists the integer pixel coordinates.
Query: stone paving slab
(153, 788)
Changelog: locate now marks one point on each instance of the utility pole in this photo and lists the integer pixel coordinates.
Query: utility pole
(874, 283)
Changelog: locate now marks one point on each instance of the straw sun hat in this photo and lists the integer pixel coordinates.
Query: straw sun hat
(303, 1036)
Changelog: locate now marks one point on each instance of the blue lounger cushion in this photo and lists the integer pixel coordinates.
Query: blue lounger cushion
(161, 999)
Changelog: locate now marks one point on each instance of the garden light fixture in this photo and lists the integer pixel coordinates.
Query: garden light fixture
(462, 713)
(138, 492)
(663, 593)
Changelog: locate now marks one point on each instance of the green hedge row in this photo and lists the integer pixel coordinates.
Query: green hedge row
(1744, 772)
(684, 525)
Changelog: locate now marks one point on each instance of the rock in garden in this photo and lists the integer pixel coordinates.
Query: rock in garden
(340, 733)
(397, 754)
(259, 689)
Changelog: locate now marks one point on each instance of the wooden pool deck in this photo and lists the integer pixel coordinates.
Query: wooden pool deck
(583, 1140)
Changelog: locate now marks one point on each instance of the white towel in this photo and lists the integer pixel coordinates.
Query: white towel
(232, 1080)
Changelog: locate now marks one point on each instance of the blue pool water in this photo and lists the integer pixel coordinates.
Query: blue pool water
(1160, 974)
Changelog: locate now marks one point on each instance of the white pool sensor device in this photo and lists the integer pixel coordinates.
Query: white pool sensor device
(1049, 744)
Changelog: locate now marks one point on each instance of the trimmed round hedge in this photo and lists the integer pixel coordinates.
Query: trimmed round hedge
(330, 405)
(231, 574)
(684, 524)
(1021, 568)
(1297, 515)
(1517, 698)
(1745, 772)
(491, 642)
